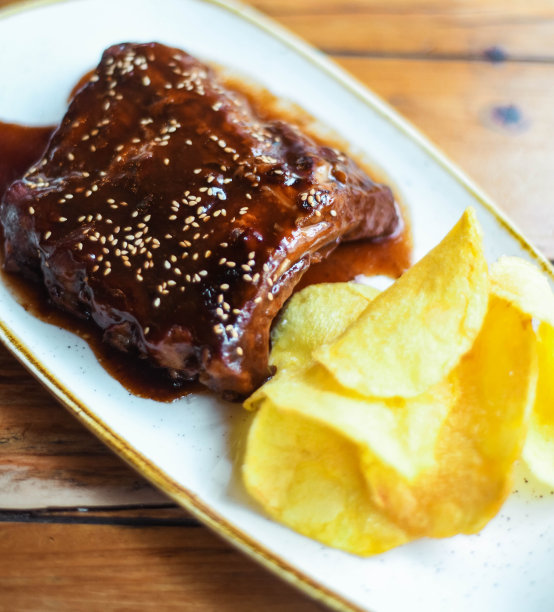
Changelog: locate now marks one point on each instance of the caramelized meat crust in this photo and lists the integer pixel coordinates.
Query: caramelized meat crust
(170, 213)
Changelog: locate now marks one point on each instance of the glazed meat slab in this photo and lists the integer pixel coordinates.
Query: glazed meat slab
(176, 218)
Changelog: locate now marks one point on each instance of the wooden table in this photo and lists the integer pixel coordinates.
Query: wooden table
(78, 529)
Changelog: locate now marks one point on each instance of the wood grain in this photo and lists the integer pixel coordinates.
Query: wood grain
(48, 459)
(434, 28)
(68, 568)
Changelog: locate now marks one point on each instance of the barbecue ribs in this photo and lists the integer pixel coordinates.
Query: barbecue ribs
(168, 211)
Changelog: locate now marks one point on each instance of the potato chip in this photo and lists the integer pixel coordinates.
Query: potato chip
(538, 451)
(415, 332)
(523, 285)
(308, 477)
(480, 440)
(303, 464)
(401, 433)
(313, 316)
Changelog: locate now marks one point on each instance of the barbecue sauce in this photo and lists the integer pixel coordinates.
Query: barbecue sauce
(20, 146)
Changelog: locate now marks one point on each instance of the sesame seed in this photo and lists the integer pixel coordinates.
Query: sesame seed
(156, 302)
(239, 351)
(47, 235)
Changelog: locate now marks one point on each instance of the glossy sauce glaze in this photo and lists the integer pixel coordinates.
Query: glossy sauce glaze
(389, 256)
(166, 209)
(20, 147)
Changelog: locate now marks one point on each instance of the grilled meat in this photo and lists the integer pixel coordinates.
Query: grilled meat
(169, 212)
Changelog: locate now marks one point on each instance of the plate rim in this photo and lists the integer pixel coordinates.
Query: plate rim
(132, 456)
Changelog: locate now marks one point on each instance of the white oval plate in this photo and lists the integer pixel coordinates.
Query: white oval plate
(187, 448)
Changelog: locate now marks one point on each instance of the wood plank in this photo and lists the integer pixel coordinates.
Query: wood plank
(64, 568)
(433, 28)
(47, 458)
(495, 121)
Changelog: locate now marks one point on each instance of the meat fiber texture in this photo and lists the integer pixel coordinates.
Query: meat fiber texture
(170, 213)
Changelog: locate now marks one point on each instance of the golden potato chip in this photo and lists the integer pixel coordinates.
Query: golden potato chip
(401, 433)
(335, 465)
(313, 316)
(493, 391)
(538, 451)
(308, 477)
(523, 285)
(302, 462)
(415, 332)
